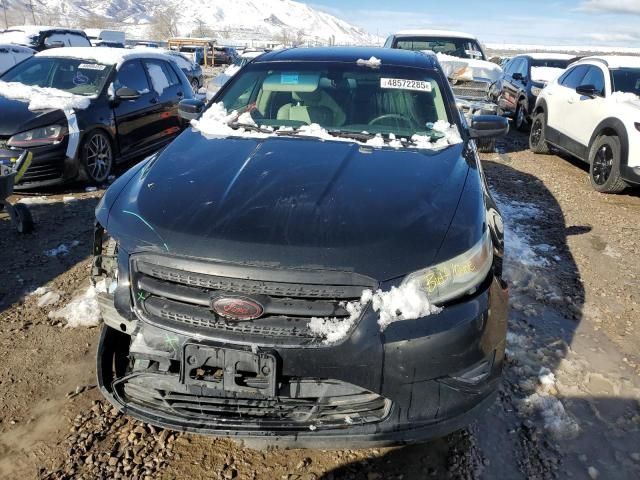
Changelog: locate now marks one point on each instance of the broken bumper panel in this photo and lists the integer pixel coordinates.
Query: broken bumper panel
(417, 380)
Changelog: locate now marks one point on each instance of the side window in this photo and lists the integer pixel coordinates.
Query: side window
(132, 75)
(508, 67)
(75, 40)
(594, 77)
(573, 78)
(53, 39)
(161, 74)
(515, 65)
(389, 42)
(523, 67)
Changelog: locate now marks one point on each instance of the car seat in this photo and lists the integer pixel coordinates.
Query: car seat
(313, 107)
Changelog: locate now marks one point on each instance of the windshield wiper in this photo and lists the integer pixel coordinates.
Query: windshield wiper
(360, 136)
(250, 127)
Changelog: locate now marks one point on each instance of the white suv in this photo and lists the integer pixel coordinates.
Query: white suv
(592, 111)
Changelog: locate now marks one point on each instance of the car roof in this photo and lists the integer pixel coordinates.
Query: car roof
(103, 55)
(436, 33)
(20, 48)
(547, 56)
(613, 61)
(389, 56)
(36, 29)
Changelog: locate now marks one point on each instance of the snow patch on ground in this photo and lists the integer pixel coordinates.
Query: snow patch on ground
(41, 200)
(48, 299)
(61, 250)
(41, 98)
(82, 311)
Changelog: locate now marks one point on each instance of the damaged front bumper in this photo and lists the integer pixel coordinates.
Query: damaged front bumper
(417, 380)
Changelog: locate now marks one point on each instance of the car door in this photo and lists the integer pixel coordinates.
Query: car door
(135, 119)
(585, 112)
(512, 85)
(169, 90)
(558, 106)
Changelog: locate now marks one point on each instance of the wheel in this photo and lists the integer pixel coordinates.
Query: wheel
(23, 218)
(486, 145)
(537, 139)
(96, 157)
(194, 85)
(604, 160)
(521, 117)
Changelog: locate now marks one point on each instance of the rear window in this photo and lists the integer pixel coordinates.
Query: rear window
(626, 80)
(551, 63)
(456, 47)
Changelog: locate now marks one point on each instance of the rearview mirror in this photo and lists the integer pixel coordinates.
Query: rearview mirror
(488, 126)
(586, 90)
(190, 108)
(126, 93)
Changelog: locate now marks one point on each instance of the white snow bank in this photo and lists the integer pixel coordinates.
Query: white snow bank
(545, 74)
(406, 302)
(82, 311)
(626, 98)
(373, 62)
(43, 98)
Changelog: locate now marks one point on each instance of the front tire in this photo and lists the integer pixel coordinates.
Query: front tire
(521, 117)
(23, 218)
(194, 86)
(537, 139)
(604, 161)
(486, 145)
(96, 157)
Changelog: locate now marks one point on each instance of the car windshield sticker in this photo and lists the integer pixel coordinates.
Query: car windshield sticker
(92, 66)
(289, 78)
(404, 84)
(80, 79)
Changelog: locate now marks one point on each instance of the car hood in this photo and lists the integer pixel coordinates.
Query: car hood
(292, 203)
(469, 68)
(16, 117)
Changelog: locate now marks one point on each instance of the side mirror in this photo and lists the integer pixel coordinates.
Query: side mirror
(517, 76)
(126, 93)
(190, 108)
(488, 126)
(586, 90)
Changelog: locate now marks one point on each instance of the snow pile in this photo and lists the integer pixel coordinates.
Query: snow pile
(43, 98)
(450, 136)
(41, 200)
(373, 62)
(82, 311)
(61, 249)
(626, 98)
(158, 78)
(215, 121)
(545, 74)
(406, 302)
(48, 299)
(335, 329)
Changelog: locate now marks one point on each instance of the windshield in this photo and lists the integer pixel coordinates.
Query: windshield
(339, 97)
(456, 47)
(80, 77)
(550, 62)
(626, 80)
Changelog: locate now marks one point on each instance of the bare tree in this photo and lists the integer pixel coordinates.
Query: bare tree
(164, 23)
(202, 30)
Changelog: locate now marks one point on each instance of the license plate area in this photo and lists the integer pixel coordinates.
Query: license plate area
(228, 370)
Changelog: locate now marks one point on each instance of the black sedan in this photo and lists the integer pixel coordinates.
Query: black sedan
(82, 110)
(316, 261)
(523, 78)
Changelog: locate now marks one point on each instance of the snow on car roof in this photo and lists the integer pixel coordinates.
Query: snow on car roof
(251, 54)
(548, 56)
(15, 48)
(438, 33)
(615, 61)
(36, 29)
(104, 55)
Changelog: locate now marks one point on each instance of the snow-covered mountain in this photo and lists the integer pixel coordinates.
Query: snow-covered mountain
(233, 19)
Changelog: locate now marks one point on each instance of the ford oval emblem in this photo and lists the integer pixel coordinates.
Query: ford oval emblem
(237, 308)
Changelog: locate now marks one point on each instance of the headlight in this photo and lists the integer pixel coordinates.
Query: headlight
(535, 91)
(456, 277)
(39, 136)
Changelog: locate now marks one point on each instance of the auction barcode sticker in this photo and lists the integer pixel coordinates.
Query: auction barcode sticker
(92, 66)
(403, 84)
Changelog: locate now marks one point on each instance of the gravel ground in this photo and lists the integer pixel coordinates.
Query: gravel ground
(569, 405)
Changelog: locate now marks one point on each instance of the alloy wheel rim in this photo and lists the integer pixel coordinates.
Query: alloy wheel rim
(536, 132)
(520, 119)
(99, 157)
(602, 164)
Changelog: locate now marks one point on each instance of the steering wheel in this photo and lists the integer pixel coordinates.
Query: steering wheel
(394, 116)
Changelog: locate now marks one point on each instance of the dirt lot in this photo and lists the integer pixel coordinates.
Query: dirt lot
(569, 406)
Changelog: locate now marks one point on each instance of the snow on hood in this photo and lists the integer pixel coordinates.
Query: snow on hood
(545, 74)
(44, 98)
(457, 68)
(216, 120)
(626, 98)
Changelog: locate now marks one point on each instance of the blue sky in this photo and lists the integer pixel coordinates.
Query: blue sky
(548, 22)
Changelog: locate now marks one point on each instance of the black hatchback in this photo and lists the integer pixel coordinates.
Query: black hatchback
(82, 110)
(523, 78)
(316, 261)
